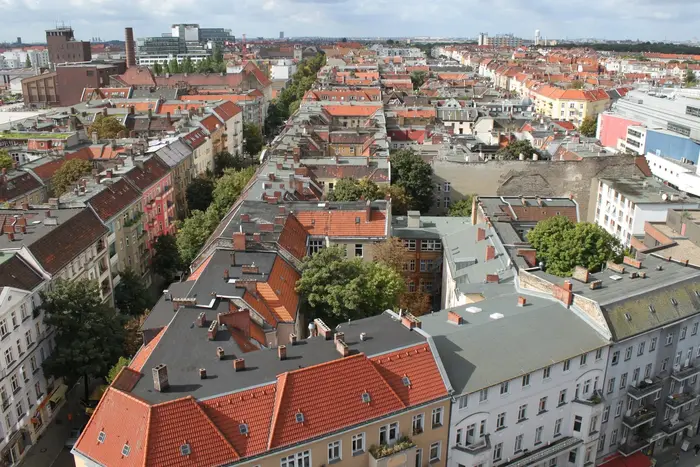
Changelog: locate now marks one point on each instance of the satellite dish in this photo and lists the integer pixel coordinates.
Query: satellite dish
(664, 197)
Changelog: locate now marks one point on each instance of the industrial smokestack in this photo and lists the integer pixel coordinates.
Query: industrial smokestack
(130, 50)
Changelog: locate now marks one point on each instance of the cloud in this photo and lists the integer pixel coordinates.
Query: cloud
(633, 19)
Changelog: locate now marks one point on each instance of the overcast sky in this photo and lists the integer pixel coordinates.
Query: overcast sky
(611, 19)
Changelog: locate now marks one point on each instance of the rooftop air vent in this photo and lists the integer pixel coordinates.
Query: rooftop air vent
(185, 449)
(628, 317)
(473, 309)
(366, 397)
(300, 417)
(616, 277)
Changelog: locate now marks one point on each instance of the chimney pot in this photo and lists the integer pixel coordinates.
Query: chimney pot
(239, 364)
(282, 352)
(339, 336)
(203, 373)
(220, 353)
(293, 339)
(521, 301)
(213, 329)
(239, 241)
(226, 276)
(363, 336)
(480, 234)
(490, 252)
(160, 377)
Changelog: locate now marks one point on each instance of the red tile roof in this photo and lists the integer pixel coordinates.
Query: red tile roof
(182, 107)
(351, 110)
(227, 110)
(145, 352)
(138, 76)
(343, 223)
(293, 237)
(211, 123)
(113, 199)
(46, 171)
(195, 138)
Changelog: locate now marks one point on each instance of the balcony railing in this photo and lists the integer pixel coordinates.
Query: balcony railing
(680, 400)
(675, 426)
(633, 444)
(477, 447)
(594, 399)
(681, 374)
(544, 453)
(645, 388)
(640, 417)
(385, 455)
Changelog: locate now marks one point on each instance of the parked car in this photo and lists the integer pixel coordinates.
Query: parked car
(74, 435)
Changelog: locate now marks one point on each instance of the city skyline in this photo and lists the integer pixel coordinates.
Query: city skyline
(651, 20)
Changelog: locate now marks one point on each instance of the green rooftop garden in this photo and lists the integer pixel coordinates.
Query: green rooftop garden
(29, 135)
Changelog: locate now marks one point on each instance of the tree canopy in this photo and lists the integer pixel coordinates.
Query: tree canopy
(577, 84)
(253, 139)
(461, 208)
(588, 126)
(415, 176)
(116, 368)
(200, 193)
(225, 160)
(106, 127)
(352, 189)
(6, 161)
(562, 245)
(336, 288)
(418, 79)
(514, 149)
(194, 232)
(88, 334)
(690, 78)
(130, 295)
(228, 188)
(69, 173)
(166, 257)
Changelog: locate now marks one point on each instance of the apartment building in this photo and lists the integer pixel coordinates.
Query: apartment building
(569, 104)
(202, 151)
(179, 158)
(624, 205)
(371, 392)
(29, 399)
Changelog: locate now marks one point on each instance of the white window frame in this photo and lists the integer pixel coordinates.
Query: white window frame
(358, 443)
(436, 445)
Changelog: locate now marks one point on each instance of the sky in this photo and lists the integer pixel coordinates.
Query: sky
(556, 19)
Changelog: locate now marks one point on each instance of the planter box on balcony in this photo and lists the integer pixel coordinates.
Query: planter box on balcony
(401, 454)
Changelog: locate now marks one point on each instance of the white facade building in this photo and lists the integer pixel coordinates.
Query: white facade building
(679, 174)
(17, 58)
(152, 59)
(624, 205)
(283, 70)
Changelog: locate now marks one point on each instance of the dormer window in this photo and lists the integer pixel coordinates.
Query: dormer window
(243, 428)
(185, 449)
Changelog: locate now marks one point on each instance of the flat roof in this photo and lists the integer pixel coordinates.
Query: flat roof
(643, 190)
(184, 348)
(498, 340)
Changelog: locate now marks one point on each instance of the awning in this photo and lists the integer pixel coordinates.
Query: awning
(635, 460)
(58, 393)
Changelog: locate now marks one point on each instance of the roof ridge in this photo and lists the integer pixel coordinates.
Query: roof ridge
(218, 431)
(279, 388)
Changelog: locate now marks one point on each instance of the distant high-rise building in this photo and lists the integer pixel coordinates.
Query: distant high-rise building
(281, 34)
(537, 37)
(483, 38)
(63, 48)
(19, 40)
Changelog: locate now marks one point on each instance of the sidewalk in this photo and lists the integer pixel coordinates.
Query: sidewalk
(688, 459)
(52, 440)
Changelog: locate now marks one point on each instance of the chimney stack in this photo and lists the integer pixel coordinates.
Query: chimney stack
(130, 49)
(202, 373)
(239, 364)
(239, 241)
(480, 234)
(213, 329)
(490, 252)
(201, 319)
(522, 301)
(282, 352)
(220, 353)
(160, 377)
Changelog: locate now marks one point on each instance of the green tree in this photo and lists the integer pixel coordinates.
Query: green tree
(588, 127)
(337, 289)
(166, 257)
(166, 68)
(225, 160)
(461, 208)
(174, 66)
(194, 232)
(187, 65)
(6, 161)
(690, 78)
(218, 54)
(131, 295)
(200, 194)
(399, 198)
(513, 150)
(415, 175)
(28, 62)
(116, 368)
(106, 127)
(577, 84)
(157, 69)
(88, 334)
(294, 106)
(352, 189)
(228, 188)
(69, 173)
(418, 79)
(562, 245)
(253, 139)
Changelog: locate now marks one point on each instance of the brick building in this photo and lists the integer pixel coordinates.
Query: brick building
(63, 48)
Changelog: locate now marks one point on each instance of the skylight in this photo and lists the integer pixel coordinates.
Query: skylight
(126, 450)
(628, 317)
(616, 277)
(300, 417)
(674, 302)
(366, 397)
(185, 449)
(243, 428)
(651, 308)
(473, 309)
(101, 437)
(406, 381)
(496, 315)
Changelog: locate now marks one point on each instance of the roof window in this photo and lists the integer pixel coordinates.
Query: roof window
(185, 449)
(628, 317)
(101, 437)
(406, 381)
(651, 309)
(243, 428)
(366, 397)
(674, 301)
(300, 417)
(126, 450)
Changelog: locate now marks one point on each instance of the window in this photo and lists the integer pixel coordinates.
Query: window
(497, 452)
(484, 395)
(358, 250)
(652, 346)
(572, 456)
(23, 311)
(315, 246)
(628, 353)
(430, 245)
(606, 413)
(14, 382)
(664, 364)
(677, 360)
(388, 434)
(618, 409)
(419, 457)
(567, 365)
(522, 412)
(546, 372)
(611, 385)
(584, 357)
(19, 347)
(577, 423)
(504, 388)
(562, 397)
(412, 265)
(19, 408)
(28, 337)
(446, 187)
(458, 438)
(463, 402)
(615, 357)
(437, 417)
(334, 452)
(669, 338)
(358, 443)
(613, 437)
(418, 424)
(594, 425)
(640, 349)
(37, 389)
(501, 421)
(8, 357)
(684, 331)
(623, 380)
(518, 444)
(300, 459)
(601, 442)
(635, 375)
(695, 329)
(13, 318)
(410, 245)
(3, 327)
(538, 435)
(435, 452)
(426, 265)
(557, 427)
(598, 354)
(647, 371)
(33, 364)
(543, 405)
(526, 380)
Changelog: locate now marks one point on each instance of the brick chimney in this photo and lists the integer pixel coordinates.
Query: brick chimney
(201, 319)
(245, 217)
(202, 373)
(250, 269)
(282, 352)
(490, 252)
(239, 364)
(342, 348)
(480, 234)
(339, 336)
(453, 317)
(226, 276)
(220, 353)
(160, 378)
(239, 241)
(322, 329)
(213, 329)
(293, 339)
(492, 278)
(522, 301)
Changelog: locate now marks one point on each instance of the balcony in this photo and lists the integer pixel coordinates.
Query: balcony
(544, 453)
(645, 388)
(101, 246)
(401, 454)
(133, 221)
(639, 417)
(634, 443)
(681, 374)
(482, 445)
(594, 399)
(680, 400)
(675, 426)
